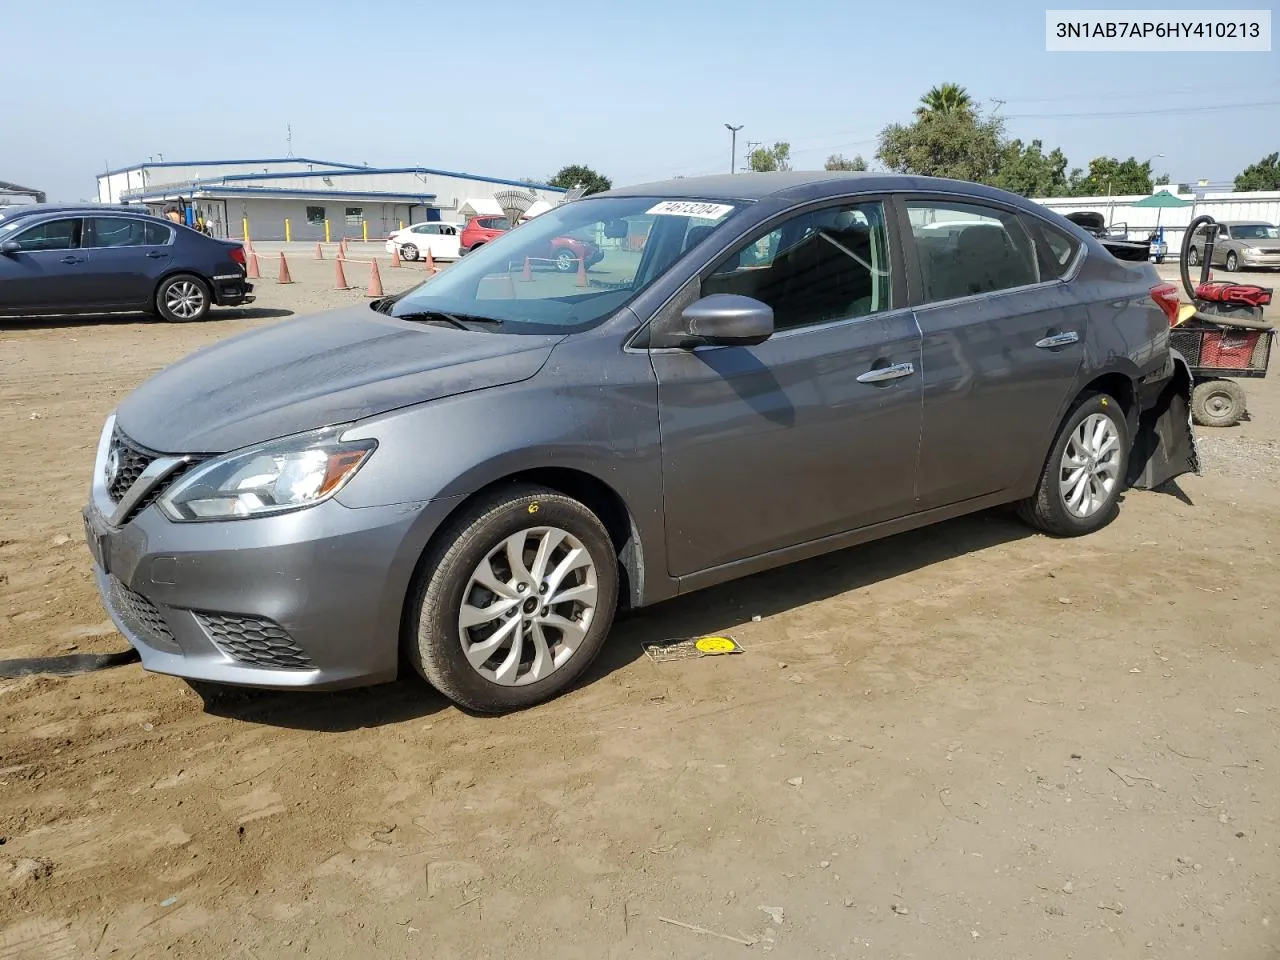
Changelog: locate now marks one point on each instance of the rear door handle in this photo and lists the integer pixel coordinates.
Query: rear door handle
(1058, 340)
(157, 254)
(71, 259)
(892, 372)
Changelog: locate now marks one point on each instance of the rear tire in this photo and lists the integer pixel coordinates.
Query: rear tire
(530, 659)
(183, 299)
(1193, 257)
(1079, 488)
(409, 251)
(566, 262)
(1217, 403)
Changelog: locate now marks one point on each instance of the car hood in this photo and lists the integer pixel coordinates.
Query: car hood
(316, 371)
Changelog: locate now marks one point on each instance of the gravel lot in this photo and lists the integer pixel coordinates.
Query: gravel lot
(968, 741)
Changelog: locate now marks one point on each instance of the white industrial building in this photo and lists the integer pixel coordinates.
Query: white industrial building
(352, 200)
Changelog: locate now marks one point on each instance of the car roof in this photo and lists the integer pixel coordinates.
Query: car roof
(799, 185)
(36, 209)
(1244, 223)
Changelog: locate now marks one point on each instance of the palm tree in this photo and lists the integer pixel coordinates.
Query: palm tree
(946, 98)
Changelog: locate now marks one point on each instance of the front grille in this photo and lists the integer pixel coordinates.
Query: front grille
(133, 460)
(254, 641)
(141, 616)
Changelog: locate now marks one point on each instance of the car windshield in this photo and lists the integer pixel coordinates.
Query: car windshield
(569, 268)
(1256, 231)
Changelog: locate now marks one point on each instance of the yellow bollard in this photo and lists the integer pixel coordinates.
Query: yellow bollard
(288, 234)
(245, 224)
(364, 230)
(401, 224)
(326, 231)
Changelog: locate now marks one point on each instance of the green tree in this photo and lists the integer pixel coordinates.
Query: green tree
(765, 159)
(1025, 170)
(957, 143)
(577, 175)
(946, 98)
(838, 161)
(1108, 176)
(1263, 175)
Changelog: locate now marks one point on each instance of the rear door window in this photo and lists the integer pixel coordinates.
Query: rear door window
(1055, 250)
(968, 249)
(114, 232)
(158, 234)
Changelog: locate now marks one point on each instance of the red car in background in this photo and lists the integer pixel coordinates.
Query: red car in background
(565, 252)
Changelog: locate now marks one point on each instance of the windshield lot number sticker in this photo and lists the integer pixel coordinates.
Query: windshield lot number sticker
(690, 208)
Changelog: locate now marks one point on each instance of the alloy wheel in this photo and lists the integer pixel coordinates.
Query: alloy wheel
(184, 299)
(1090, 467)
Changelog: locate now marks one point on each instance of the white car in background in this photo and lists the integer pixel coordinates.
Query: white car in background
(441, 238)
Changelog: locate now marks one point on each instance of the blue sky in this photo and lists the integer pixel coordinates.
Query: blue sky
(639, 91)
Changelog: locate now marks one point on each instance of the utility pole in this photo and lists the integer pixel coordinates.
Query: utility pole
(751, 147)
(998, 104)
(733, 146)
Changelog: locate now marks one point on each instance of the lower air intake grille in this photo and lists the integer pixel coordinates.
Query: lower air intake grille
(141, 616)
(254, 641)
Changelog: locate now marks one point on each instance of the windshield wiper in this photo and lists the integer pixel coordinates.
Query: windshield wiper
(452, 319)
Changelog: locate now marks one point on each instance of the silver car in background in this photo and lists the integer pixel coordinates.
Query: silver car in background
(471, 478)
(1240, 245)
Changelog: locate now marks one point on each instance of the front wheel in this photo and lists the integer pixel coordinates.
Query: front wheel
(1217, 403)
(409, 252)
(183, 299)
(1079, 489)
(1193, 257)
(566, 261)
(1232, 262)
(516, 601)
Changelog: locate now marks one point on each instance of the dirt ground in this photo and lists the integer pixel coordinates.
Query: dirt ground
(968, 741)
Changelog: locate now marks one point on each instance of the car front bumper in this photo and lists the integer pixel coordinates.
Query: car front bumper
(305, 599)
(1266, 260)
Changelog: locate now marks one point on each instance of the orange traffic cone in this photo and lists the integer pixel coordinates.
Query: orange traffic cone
(528, 270)
(319, 251)
(284, 269)
(582, 271)
(375, 282)
(252, 271)
(344, 246)
(341, 274)
(431, 262)
(395, 255)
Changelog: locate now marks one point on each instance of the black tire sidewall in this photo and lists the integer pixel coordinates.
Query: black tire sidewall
(437, 611)
(1059, 515)
(165, 284)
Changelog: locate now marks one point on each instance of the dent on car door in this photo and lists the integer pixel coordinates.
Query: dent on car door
(812, 432)
(47, 271)
(1003, 342)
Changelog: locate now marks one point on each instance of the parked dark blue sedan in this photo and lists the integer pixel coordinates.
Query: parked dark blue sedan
(55, 260)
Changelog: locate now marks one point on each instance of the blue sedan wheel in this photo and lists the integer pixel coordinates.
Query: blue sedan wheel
(182, 299)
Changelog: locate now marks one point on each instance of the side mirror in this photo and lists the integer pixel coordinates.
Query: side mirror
(10, 247)
(616, 229)
(727, 319)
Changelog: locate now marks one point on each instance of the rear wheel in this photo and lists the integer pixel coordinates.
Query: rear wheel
(1193, 257)
(516, 602)
(183, 299)
(409, 252)
(566, 261)
(1079, 488)
(1217, 403)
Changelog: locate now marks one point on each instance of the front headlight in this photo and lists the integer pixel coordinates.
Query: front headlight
(271, 478)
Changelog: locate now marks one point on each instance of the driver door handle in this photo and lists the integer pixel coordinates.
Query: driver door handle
(71, 259)
(157, 254)
(1058, 340)
(892, 372)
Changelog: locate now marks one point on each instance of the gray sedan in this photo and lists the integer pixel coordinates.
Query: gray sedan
(473, 477)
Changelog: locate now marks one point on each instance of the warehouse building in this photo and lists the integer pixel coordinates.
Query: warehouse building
(302, 199)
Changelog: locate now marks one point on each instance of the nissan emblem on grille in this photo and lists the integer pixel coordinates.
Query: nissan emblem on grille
(112, 467)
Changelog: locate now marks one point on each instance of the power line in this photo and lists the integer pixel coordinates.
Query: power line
(1075, 97)
(1102, 115)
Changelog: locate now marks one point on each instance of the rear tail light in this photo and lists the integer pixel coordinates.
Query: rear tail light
(237, 255)
(1166, 297)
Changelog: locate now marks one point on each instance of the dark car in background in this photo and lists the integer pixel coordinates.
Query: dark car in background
(66, 259)
(470, 478)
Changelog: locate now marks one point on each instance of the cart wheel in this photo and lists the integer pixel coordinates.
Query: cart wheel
(1217, 403)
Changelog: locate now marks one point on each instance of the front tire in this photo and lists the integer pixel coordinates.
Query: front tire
(1079, 489)
(183, 299)
(515, 602)
(1193, 257)
(1217, 403)
(1232, 262)
(566, 262)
